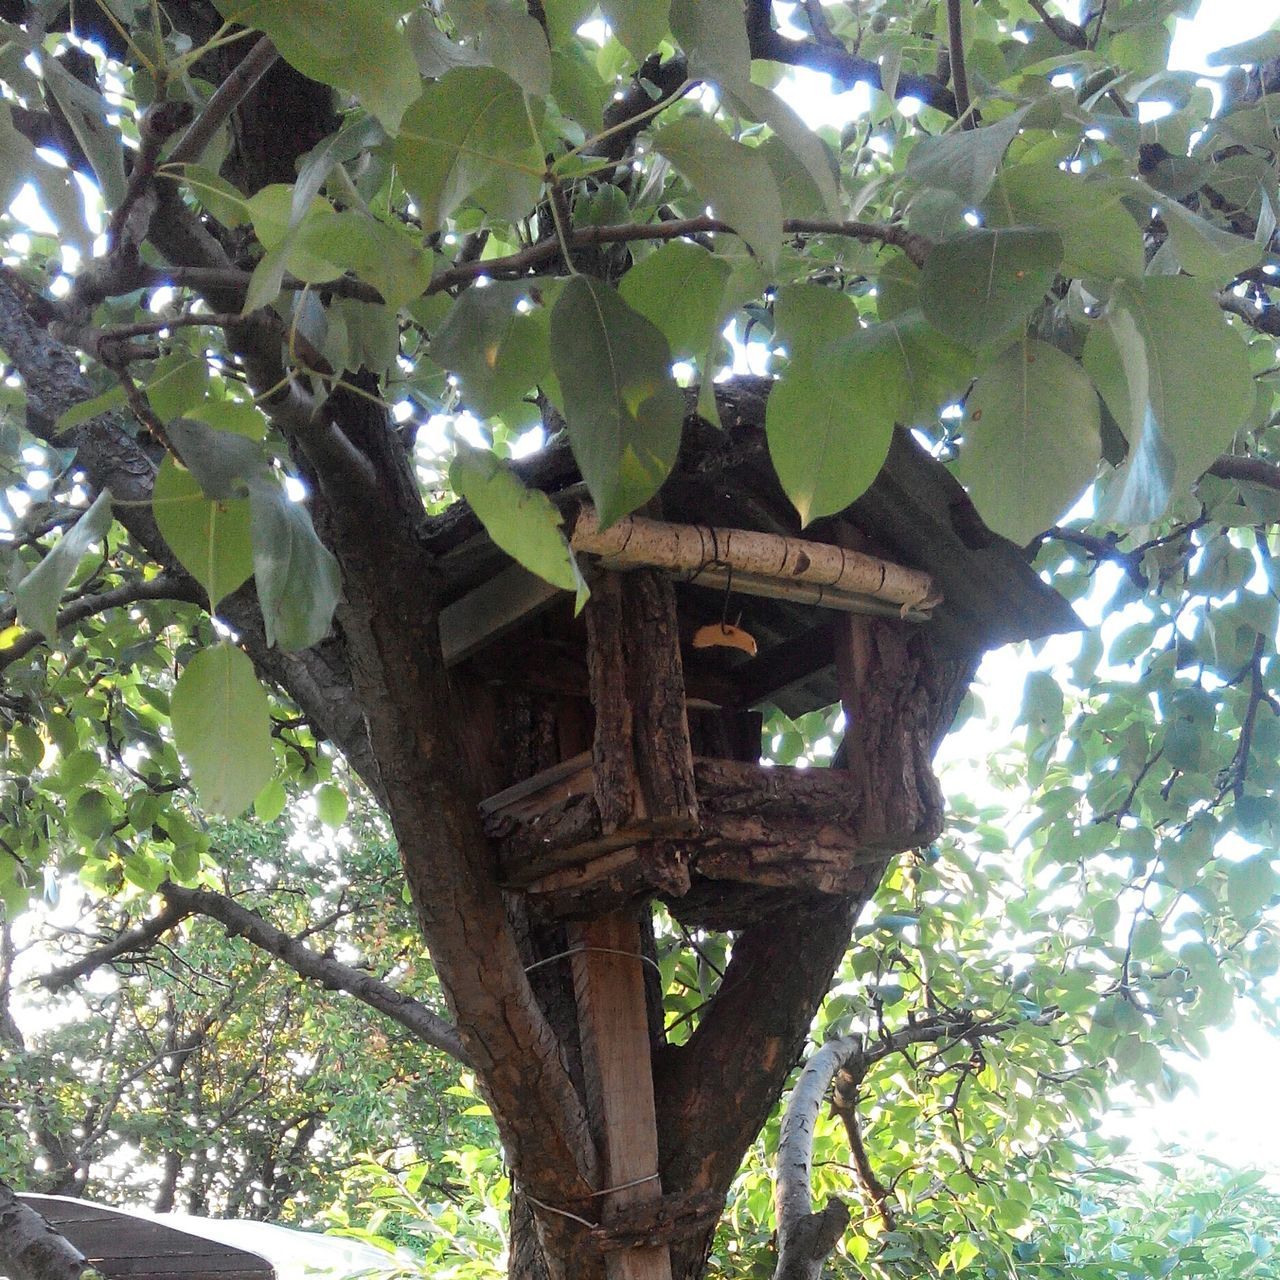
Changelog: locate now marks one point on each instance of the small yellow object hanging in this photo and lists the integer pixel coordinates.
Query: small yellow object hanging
(724, 635)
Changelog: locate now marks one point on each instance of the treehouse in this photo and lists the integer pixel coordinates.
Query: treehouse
(621, 748)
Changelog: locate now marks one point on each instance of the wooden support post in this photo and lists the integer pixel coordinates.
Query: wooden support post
(608, 977)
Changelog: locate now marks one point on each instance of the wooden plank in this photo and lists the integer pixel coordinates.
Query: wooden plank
(612, 1019)
(569, 777)
(482, 615)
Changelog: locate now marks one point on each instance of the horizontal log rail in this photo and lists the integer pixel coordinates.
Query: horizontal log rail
(768, 564)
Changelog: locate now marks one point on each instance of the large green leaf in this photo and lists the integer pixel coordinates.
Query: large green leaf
(393, 262)
(830, 420)
(1099, 235)
(622, 406)
(1032, 439)
(808, 317)
(38, 595)
(937, 370)
(211, 538)
(680, 288)
(1176, 377)
(469, 136)
(298, 580)
(1203, 249)
(982, 286)
(807, 152)
(221, 461)
(507, 37)
(714, 39)
(522, 521)
(222, 729)
(964, 161)
(734, 179)
(639, 24)
(354, 45)
(499, 351)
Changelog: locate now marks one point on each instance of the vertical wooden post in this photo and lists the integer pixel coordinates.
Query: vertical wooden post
(643, 765)
(608, 979)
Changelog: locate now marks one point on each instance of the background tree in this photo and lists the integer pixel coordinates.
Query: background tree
(266, 289)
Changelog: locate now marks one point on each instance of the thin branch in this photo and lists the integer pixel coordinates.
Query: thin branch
(959, 74)
(1252, 470)
(240, 922)
(163, 587)
(1066, 31)
(131, 941)
(226, 98)
(513, 266)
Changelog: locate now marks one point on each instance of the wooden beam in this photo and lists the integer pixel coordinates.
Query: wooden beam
(613, 1023)
(494, 607)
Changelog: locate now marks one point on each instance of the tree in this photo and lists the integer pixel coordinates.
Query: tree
(287, 292)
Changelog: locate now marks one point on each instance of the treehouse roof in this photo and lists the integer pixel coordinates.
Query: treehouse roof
(915, 514)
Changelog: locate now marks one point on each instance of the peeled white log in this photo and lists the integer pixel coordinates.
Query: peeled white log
(761, 563)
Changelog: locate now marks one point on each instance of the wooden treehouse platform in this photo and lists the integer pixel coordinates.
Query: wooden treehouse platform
(721, 838)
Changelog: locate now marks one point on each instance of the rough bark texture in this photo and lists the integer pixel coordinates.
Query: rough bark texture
(30, 1249)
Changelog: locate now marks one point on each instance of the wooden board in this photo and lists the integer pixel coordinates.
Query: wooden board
(608, 979)
(127, 1246)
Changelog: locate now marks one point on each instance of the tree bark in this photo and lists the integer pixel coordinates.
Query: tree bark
(30, 1249)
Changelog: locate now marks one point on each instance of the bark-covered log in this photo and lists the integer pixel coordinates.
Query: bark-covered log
(30, 1249)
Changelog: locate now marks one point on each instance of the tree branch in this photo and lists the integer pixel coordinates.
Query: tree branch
(164, 587)
(226, 98)
(1066, 31)
(240, 922)
(846, 68)
(804, 1237)
(1252, 470)
(959, 75)
(131, 941)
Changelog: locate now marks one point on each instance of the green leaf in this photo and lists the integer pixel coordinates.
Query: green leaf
(331, 804)
(714, 39)
(211, 538)
(89, 409)
(522, 521)
(938, 371)
(354, 45)
(807, 152)
(222, 462)
(622, 406)
(982, 286)
(734, 179)
(1099, 236)
(222, 729)
(91, 815)
(393, 262)
(1203, 249)
(269, 803)
(498, 350)
(680, 289)
(1176, 377)
(1032, 439)
(830, 420)
(469, 136)
(964, 161)
(178, 382)
(1260, 49)
(509, 39)
(639, 24)
(1251, 884)
(38, 595)
(298, 580)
